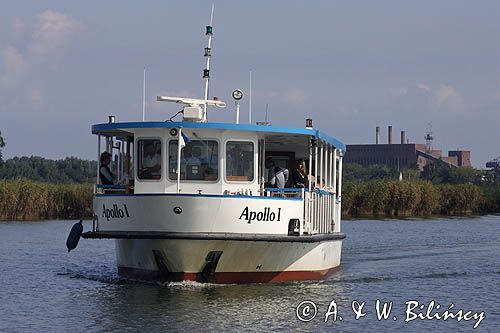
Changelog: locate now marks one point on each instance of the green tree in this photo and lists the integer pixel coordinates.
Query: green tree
(2, 144)
(68, 170)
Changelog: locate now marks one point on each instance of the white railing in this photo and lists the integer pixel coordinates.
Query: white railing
(320, 209)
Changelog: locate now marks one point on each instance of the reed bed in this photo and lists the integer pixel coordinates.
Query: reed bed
(392, 198)
(28, 200)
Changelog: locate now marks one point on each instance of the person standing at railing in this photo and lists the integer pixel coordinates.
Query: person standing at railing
(105, 174)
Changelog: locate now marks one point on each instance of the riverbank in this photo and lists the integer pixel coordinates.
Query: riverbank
(392, 198)
(29, 200)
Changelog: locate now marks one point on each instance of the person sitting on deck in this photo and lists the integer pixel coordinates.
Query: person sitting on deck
(276, 177)
(105, 175)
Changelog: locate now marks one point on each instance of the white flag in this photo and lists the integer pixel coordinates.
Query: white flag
(184, 140)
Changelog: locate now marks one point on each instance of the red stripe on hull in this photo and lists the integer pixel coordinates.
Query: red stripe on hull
(229, 277)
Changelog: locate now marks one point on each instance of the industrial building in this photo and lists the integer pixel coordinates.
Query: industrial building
(404, 154)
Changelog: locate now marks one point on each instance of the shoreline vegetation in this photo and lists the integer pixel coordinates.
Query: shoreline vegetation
(24, 199)
(36, 188)
(417, 198)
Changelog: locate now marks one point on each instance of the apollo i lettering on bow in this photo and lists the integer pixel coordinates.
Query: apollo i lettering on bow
(267, 215)
(115, 212)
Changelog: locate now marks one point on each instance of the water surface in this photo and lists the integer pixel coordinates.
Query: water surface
(45, 289)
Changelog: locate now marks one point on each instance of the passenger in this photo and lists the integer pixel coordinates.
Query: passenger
(192, 163)
(105, 175)
(320, 182)
(235, 162)
(300, 177)
(151, 162)
(208, 172)
(276, 177)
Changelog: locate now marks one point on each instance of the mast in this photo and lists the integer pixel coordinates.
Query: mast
(144, 95)
(250, 101)
(206, 71)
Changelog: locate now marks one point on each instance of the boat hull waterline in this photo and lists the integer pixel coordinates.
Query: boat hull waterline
(239, 261)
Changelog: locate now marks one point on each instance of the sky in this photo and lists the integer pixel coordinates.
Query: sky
(349, 65)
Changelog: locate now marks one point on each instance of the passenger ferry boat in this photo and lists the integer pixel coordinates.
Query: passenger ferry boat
(192, 199)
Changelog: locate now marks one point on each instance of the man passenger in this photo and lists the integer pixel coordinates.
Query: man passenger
(276, 177)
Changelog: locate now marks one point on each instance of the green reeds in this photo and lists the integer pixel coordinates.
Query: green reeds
(28, 200)
(392, 198)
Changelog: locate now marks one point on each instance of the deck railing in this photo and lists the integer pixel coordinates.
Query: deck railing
(319, 212)
(320, 208)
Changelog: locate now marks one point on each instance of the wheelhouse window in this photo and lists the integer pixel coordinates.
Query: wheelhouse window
(199, 160)
(149, 159)
(239, 161)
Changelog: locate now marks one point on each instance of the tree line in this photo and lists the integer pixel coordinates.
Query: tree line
(39, 169)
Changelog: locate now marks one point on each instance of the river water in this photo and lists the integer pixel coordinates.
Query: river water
(448, 261)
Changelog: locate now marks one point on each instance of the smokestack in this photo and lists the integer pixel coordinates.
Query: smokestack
(389, 135)
(403, 137)
(377, 135)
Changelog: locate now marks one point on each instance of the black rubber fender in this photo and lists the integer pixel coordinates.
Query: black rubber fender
(74, 236)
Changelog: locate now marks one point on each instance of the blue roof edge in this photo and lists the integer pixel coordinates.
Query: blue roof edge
(223, 126)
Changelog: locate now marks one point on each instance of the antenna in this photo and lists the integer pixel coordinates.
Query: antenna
(144, 95)
(428, 138)
(264, 123)
(208, 54)
(250, 100)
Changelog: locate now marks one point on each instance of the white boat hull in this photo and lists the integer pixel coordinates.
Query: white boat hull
(240, 261)
(174, 237)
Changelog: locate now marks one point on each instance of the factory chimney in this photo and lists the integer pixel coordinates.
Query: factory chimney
(377, 135)
(389, 135)
(403, 137)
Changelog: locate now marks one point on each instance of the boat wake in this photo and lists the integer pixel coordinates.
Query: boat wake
(378, 279)
(107, 275)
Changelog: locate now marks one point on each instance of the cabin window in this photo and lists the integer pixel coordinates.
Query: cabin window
(199, 160)
(239, 161)
(149, 159)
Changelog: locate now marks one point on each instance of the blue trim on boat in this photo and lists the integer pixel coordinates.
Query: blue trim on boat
(296, 190)
(286, 189)
(193, 195)
(222, 126)
(119, 187)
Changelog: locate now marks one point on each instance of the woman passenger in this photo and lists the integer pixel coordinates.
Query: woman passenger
(107, 177)
(299, 174)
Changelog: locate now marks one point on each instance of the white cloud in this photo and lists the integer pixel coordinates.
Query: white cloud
(17, 25)
(52, 31)
(424, 87)
(294, 96)
(424, 97)
(446, 98)
(496, 96)
(14, 65)
(35, 96)
(13, 60)
(401, 91)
